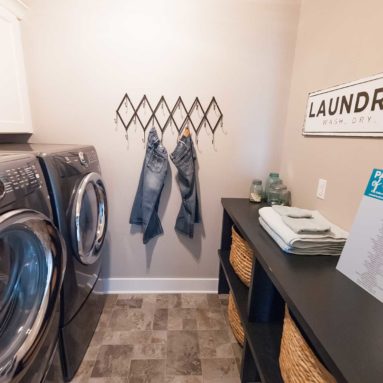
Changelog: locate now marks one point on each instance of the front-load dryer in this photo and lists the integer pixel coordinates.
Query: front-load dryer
(32, 264)
(79, 204)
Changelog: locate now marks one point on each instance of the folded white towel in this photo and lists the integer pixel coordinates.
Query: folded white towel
(274, 220)
(293, 212)
(313, 250)
(306, 225)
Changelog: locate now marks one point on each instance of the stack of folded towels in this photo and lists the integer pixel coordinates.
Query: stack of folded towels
(301, 231)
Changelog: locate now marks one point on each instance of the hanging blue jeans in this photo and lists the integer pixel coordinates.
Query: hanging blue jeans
(183, 158)
(145, 206)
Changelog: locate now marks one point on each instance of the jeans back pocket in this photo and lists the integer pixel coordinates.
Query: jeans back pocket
(156, 162)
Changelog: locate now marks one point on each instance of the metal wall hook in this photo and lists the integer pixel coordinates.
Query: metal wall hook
(197, 144)
(213, 142)
(223, 130)
(127, 140)
(194, 118)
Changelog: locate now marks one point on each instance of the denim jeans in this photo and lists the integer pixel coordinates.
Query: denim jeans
(145, 206)
(183, 158)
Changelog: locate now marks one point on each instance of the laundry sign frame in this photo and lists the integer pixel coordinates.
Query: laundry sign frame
(351, 109)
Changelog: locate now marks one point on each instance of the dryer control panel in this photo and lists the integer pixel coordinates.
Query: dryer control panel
(74, 163)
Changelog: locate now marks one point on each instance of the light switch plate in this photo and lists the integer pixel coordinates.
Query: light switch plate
(321, 190)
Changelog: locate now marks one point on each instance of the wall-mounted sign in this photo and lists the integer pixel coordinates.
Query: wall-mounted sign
(362, 256)
(352, 109)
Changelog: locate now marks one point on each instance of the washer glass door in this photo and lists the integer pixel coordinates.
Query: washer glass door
(89, 218)
(32, 257)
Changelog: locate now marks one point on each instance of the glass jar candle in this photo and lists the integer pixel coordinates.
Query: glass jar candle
(256, 191)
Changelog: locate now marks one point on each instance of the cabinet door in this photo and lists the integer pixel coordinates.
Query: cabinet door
(15, 115)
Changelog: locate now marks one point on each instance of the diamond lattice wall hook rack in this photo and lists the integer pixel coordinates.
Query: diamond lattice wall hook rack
(162, 116)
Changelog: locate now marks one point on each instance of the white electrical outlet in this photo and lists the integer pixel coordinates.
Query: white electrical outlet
(321, 190)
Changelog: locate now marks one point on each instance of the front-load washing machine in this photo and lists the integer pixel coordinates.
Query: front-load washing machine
(79, 204)
(32, 264)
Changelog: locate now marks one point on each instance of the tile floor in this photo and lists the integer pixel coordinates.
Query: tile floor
(155, 338)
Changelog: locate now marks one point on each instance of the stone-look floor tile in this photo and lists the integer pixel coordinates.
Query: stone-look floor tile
(91, 353)
(147, 371)
(222, 380)
(184, 379)
(147, 367)
(183, 353)
(135, 337)
(213, 301)
(215, 344)
(183, 366)
(84, 372)
(178, 317)
(150, 351)
(219, 368)
(182, 344)
(175, 322)
(147, 379)
(110, 301)
(226, 317)
(113, 360)
(174, 301)
(160, 321)
(210, 319)
(194, 301)
(189, 324)
(231, 335)
(237, 349)
(103, 322)
(98, 337)
(238, 361)
(123, 319)
(128, 321)
(130, 301)
(162, 301)
(111, 379)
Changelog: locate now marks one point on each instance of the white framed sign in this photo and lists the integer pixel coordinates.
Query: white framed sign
(352, 109)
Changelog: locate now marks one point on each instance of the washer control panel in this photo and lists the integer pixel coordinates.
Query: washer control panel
(25, 178)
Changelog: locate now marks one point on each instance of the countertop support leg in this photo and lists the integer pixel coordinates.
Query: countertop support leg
(249, 372)
(227, 223)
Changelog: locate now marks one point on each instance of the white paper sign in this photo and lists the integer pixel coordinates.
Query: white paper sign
(362, 256)
(352, 109)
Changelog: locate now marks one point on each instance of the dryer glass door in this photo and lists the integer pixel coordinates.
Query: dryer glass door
(32, 257)
(89, 218)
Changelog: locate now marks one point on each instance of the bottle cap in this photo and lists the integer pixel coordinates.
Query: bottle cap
(257, 182)
(273, 174)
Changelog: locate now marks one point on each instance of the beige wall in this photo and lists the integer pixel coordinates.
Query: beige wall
(338, 41)
(82, 56)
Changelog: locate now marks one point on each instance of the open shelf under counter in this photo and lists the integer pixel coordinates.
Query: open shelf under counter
(263, 338)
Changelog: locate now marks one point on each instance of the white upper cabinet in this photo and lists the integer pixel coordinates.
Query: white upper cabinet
(15, 114)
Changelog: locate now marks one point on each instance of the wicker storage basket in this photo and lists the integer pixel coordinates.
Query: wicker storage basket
(235, 321)
(241, 257)
(297, 361)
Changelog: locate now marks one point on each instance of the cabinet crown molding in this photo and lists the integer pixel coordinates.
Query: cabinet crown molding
(17, 7)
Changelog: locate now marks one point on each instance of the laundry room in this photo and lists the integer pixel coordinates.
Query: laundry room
(191, 191)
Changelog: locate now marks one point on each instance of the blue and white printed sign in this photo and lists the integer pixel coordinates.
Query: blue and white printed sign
(362, 256)
(375, 185)
(352, 109)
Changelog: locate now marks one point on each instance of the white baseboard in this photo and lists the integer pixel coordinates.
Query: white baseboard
(156, 285)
